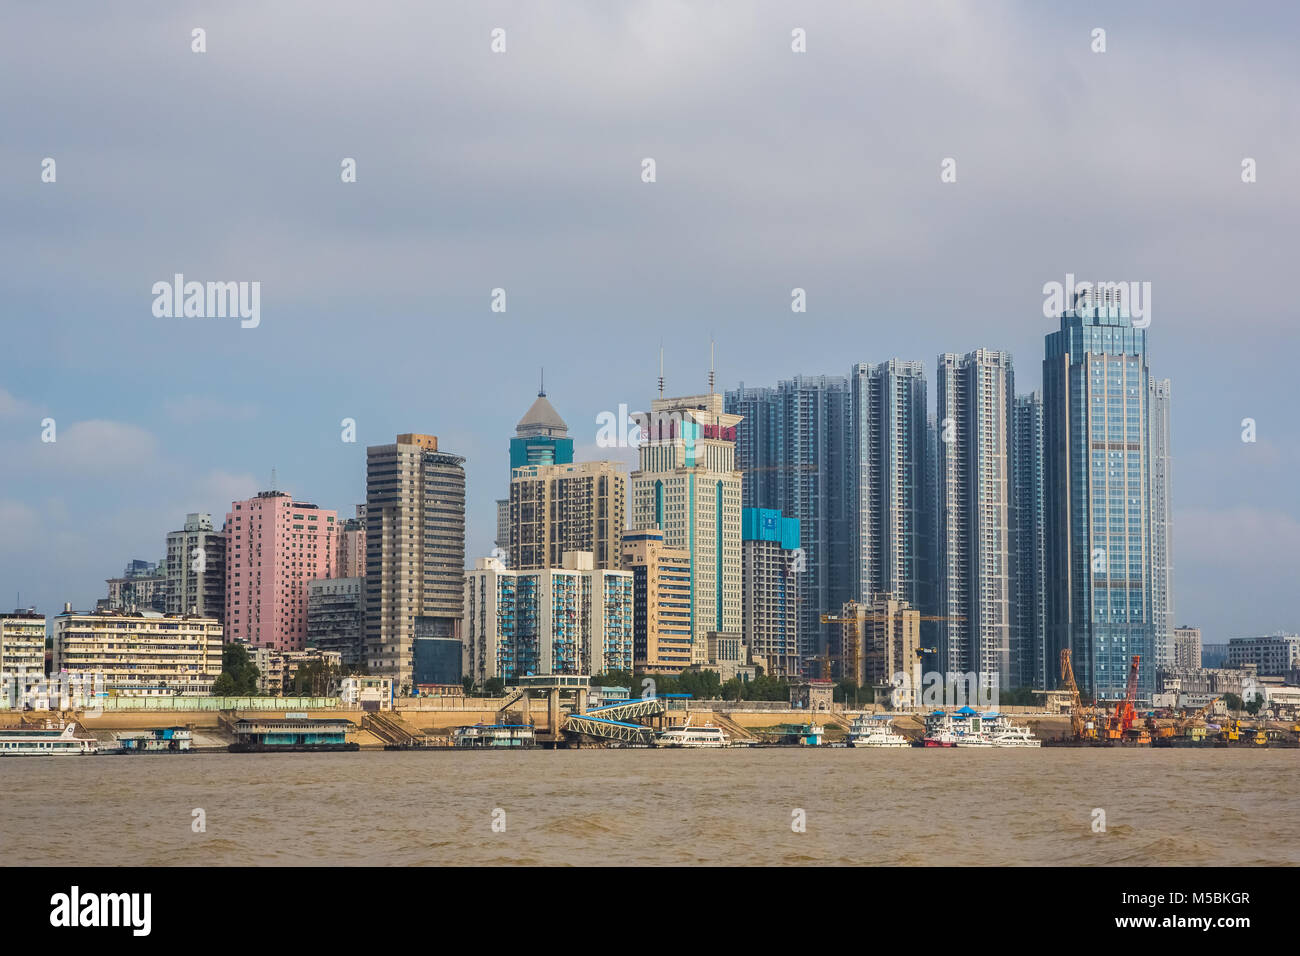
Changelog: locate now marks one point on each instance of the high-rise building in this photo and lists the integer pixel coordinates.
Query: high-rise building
(688, 487)
(793, 447)
(1162, 524)
(770, 585)
(336, 617)
(973, 580)
(415, 551)
(196, 569)
(351, 559)
(541, 437)
(1096, 454)
(556, 509)
(890, 534)
(274, 546)
(576, 619)
(1187, 648)
(661, 602)
(1029, 609)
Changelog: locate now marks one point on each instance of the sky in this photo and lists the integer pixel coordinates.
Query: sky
(522, 170)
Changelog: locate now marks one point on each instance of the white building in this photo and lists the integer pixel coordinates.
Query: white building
(571, 620)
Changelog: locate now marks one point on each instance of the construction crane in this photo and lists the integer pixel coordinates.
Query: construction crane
(1122, 720)
(1082, 727)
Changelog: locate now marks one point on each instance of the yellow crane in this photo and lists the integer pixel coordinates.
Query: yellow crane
(1083, 721)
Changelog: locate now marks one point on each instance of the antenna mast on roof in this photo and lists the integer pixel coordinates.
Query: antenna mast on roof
(273, 488)
(541, 389)
(710, 365)
(661, 370)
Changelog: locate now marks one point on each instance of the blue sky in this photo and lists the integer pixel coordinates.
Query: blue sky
(522, 170)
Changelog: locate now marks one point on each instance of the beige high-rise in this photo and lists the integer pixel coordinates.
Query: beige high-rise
(661, 601)
(688, 487)
(878, 640)
(415, 551)
(556, 509)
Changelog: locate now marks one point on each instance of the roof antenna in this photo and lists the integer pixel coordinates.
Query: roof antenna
(273, 487)
(661, 370)
(541, 390)
(710, 365)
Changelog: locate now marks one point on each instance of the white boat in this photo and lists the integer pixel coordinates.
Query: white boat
(873, 730)
(1003, 733)
(46, 741)
(964, 728)
(688, 736)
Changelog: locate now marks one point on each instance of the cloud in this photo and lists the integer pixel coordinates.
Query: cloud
(13, 407)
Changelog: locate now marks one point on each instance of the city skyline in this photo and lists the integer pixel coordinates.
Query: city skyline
(158, 418)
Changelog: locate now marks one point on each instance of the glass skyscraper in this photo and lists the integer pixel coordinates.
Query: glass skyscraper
(793, 446)
(1096, 473)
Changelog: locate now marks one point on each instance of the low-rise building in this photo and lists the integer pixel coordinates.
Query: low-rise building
(139, 653)
(1273, 654)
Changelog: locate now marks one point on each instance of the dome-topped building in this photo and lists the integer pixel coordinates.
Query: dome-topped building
(541, 437)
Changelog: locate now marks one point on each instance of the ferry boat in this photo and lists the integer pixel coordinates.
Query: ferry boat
(45, 742)
(874, 730)
(510, 736)
(1003, 733)
(964, 728)
(688, 736)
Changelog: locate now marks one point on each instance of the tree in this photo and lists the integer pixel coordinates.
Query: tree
(494, 687)
(467, 683)
(241, 673)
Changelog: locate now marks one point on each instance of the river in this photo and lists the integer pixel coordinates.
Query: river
(739, 806)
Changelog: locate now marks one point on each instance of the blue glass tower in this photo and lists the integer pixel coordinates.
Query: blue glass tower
(541, 437)
(1096, 462)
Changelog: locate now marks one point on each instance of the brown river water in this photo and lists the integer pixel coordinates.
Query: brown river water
(595, 807)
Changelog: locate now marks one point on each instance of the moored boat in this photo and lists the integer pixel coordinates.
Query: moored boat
(49, 741)
(688, 736)
(875, 730)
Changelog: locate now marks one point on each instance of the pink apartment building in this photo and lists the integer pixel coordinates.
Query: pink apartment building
(274, 546)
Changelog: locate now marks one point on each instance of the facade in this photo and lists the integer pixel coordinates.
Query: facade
(1187, 648)
(274, 546)
(438, 663)
(541, 437)
(688, 487)
(1162, 523)
(770, 586)
(139, 654)
(1029, 659)
(661, 602)
(793, 447)
(571, 620)
(975, 518)
(1275, 654)
(196, 569)
(336, 618)
(350, 560)
(142, 587)
(555, 509)
(877, 641)
(891, 533)
(415, 551)
(1097, 477)
(22, 654)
